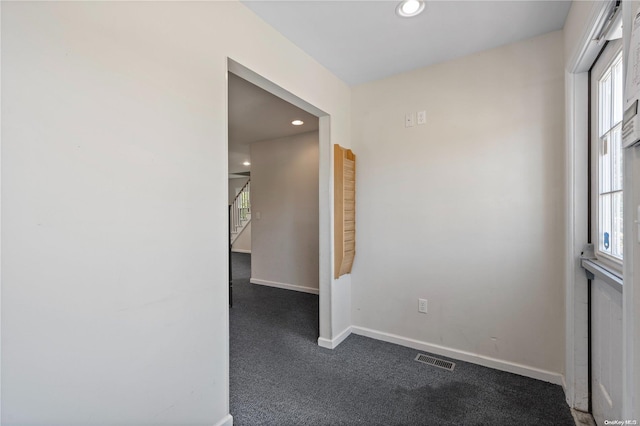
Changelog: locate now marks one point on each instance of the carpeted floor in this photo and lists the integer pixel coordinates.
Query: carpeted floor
(280, 376)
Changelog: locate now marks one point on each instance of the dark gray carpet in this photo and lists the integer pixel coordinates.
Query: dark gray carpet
(280, 376)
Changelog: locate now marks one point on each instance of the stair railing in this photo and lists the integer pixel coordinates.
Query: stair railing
(240, 209)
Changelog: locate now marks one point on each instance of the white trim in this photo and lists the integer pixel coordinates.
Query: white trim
(226, 421)
(582, 418)
(284, 286)
(255, 78)
(240, 250)
(333, 343)
(325, 197)
(498, 364)
(587, 50)
(0, 222)
(630, 302)
(577, 128)
(576, 291)
(609, 56)
(325, 184)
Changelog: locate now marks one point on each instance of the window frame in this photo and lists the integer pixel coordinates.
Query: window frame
(609, 56)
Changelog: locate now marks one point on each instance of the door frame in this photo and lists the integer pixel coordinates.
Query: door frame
(324, 182)
(576, 184)
(597, 285)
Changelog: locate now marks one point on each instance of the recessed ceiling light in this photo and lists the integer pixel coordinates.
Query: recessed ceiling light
(409, 8)
(297, 122)
(246, 163)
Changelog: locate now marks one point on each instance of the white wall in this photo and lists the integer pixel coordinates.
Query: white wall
(114, 204)
(466, 210)
(284, 204)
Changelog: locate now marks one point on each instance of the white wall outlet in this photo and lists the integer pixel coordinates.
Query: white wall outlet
(258, 215)
(409, 120)
(422, 117)
(422, 305)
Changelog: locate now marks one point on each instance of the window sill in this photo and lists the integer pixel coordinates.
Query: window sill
(598, 270)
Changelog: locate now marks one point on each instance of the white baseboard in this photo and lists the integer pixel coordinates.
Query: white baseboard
(226, 421)
(240, 250)
(333, 343)
(285, 286)
(498, 364)
(581, 418)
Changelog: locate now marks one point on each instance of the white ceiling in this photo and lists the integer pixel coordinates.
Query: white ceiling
(361, 41)
(257, 115)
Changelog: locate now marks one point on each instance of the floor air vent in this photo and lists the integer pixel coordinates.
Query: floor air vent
(447, 365)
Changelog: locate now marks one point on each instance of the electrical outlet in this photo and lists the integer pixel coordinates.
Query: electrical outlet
(422, 305)
(422, 117)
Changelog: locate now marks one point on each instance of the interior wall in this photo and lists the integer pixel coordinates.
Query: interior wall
(285, 215)
(114, 173)
(466, 210)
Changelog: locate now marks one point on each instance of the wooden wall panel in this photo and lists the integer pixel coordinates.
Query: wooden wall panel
(344, 181)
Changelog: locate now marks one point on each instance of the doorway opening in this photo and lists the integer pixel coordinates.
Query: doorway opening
(324, 184)
(274, 187)
(279, 209)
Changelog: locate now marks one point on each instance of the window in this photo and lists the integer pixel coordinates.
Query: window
(607, 165)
